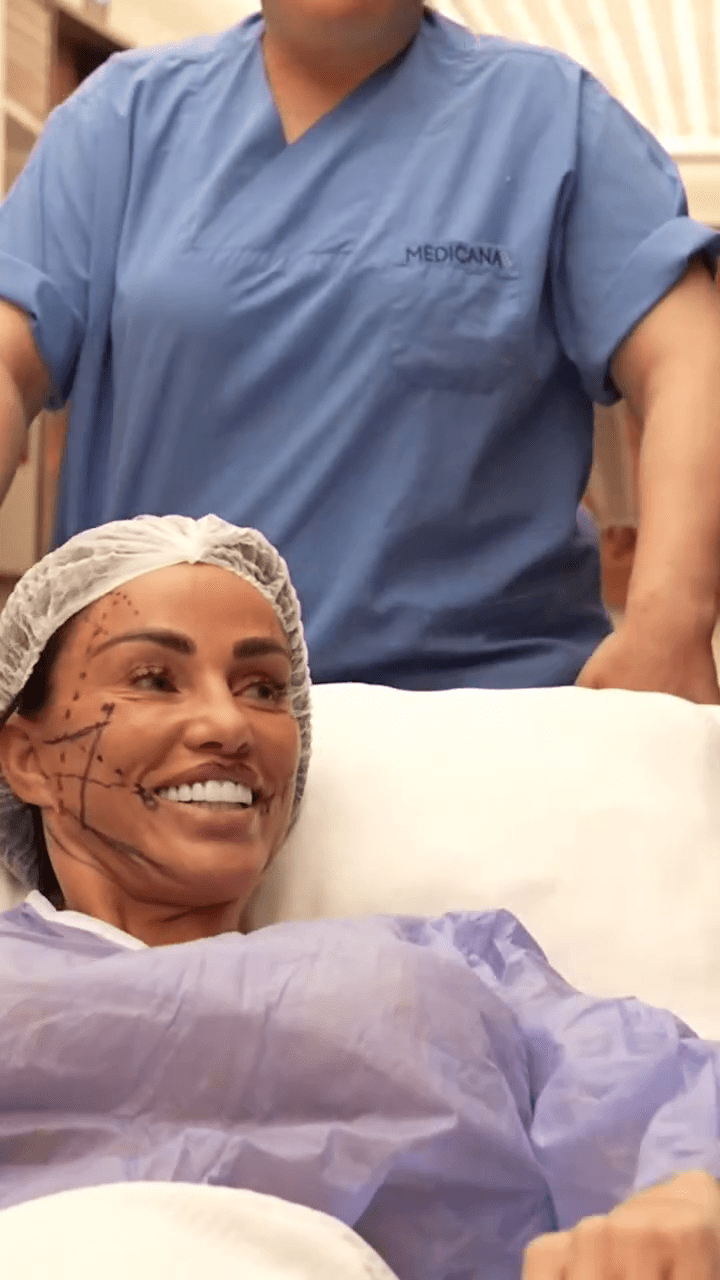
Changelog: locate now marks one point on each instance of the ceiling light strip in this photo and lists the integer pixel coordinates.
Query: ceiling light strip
(525, 26)
(686, 37)
(618, 68)
(571, 41)
(665, 114)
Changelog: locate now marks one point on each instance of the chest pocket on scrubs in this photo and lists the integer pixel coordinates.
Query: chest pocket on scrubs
(456, 327)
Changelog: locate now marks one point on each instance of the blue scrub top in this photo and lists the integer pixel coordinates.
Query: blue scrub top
(379, 344)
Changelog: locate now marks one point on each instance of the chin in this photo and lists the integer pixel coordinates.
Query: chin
(227, 865)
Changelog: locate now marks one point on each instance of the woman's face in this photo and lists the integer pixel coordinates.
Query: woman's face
(167, 754)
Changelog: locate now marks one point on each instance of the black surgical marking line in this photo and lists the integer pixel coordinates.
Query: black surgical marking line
(76, 735)
(74, 857)
(116, 846)
(128, 850)
(95, 782)
(148, 798)
(108, 708)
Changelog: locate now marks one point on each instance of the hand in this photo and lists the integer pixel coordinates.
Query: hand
(656, 661)
(670, 1232)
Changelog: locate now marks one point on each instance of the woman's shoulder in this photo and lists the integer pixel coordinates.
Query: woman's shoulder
(201, 52)
(154, 80)
(477, 51)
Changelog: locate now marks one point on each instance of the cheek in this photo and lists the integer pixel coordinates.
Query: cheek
(97, 743)
(282, 750)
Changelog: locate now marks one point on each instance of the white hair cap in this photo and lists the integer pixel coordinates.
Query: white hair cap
(100, 560)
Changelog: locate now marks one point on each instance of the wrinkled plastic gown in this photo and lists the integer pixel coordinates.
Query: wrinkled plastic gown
(432, 1083)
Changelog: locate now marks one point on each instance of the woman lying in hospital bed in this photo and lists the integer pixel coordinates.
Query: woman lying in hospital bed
(431, 1083)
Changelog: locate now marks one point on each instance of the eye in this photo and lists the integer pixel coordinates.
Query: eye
(266, 690)
(153, 680)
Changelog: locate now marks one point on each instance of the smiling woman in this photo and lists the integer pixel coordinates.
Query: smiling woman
(432, 1084)
(157, 742)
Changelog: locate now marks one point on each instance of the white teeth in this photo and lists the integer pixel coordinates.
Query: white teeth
(212, 792)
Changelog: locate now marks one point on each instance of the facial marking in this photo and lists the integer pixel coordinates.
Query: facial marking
(115, 846)
(148, 798)
(89, 756)
(77, 734)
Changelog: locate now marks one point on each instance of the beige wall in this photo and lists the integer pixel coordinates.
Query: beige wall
(702, 181)
(148, 22)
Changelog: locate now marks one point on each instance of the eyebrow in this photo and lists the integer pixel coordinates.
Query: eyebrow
(252, 647)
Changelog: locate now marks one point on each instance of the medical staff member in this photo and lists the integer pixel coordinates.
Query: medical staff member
(354, 276)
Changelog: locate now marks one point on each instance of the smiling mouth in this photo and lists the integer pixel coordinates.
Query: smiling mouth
(214, 794)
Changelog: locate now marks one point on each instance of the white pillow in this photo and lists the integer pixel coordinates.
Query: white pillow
(594, 817)
(173, 1231)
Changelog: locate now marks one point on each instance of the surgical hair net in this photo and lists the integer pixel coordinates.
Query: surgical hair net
(98, 561)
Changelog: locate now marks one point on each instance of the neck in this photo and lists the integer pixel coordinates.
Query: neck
(157, 925)
(137, 907)
(310, 77)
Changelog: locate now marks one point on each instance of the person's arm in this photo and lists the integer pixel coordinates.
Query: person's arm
(668, 1232)
(48, 266)
(24, 388)
(668, 370)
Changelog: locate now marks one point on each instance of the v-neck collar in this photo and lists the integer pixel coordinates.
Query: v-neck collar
(363, 93)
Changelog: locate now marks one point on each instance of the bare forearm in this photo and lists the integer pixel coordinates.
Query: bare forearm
(677, 562)
(13, 429)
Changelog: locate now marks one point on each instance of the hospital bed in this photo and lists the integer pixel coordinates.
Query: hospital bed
(594, 817)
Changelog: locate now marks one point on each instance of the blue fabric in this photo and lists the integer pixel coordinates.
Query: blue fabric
(379, 345)
(432, 1083)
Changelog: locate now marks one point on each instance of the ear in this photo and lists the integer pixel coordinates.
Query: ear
(20, 764)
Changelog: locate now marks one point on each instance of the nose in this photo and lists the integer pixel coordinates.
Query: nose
(219, 722)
